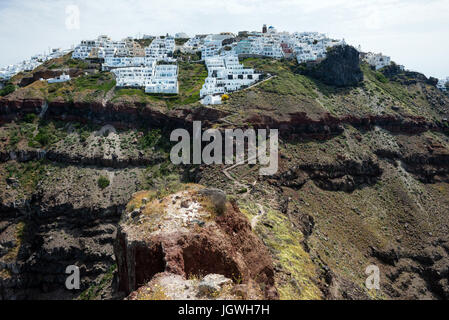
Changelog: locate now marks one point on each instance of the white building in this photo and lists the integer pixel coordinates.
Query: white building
(193, 44)
(133, 76)
(377, 60)
(154, 78)
(305, 46)
(134, 66)
(265, 45)
(161, 48)
(210, 49)
(124, 62)
(165, 80)
(226, 74)
(104, 47)
(210, 99)
(311, 46)
(212, 44)
(28, 65)
(62, 78)
(442, 84)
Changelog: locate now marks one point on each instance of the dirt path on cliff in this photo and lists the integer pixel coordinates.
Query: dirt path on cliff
(108, 96)
(248, 188)
(260, 82)
(259, 215)
(236, 182)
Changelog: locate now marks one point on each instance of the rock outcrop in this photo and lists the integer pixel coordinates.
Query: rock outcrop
(340, 68)
(183, 237)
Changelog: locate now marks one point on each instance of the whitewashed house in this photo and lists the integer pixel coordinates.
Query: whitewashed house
(442, 84)
(226, 74)
(137, 77)
(161, 48)
(210, 99)
(103, 47)
(165, 80)
(154, 78)
(124, 62)
(212, 44)
(377, 60)
(62, 78)
(210, 49)
(311, 46)
(28, 65)
(193, 44)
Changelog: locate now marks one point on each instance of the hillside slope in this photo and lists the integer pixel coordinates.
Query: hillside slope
(363, 179)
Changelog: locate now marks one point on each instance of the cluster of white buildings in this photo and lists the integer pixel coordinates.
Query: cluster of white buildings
(155, 78)
(311, 46)
(377, 60)
(161, 49)
(225, 74)
(305, 46)
(209, 45)
(443, 84)
(28, 65)
(267, 46)
(103, 47)
(220, 53)
(152, 68)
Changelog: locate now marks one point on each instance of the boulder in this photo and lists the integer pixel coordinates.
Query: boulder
(212, 284)
(217, 197)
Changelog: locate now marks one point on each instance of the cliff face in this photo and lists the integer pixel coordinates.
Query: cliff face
(184, 234)
(363, 179)
(340, 68)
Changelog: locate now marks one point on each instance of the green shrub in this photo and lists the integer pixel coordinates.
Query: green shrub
(103, 182)
(14, 138)
(43, 136)
(29, 117)
(381, 77)
(9, 88)
(242, 190)
(84, 134)
(149, 139)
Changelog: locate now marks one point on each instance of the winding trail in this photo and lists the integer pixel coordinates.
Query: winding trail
(238, 183)
(260, 82)
(248, 188)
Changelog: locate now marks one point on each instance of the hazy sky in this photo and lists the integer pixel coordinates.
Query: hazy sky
(414, 33)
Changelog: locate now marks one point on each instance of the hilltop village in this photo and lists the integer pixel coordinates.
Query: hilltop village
(35, 61)
(87, 177)
(151, 63)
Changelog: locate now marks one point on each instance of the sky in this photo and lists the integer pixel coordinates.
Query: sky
(415, 33)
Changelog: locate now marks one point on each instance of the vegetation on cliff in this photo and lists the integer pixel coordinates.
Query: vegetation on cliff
(363, 176)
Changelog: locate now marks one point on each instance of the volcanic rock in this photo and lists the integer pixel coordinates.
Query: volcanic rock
(166, 241)
(340, 68)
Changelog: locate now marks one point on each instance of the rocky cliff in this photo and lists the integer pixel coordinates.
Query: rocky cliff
(340, 68)
(362, 180)
(192, 234)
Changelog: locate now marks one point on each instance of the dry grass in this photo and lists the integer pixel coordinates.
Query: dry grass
(12, 254)
(155, 293)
